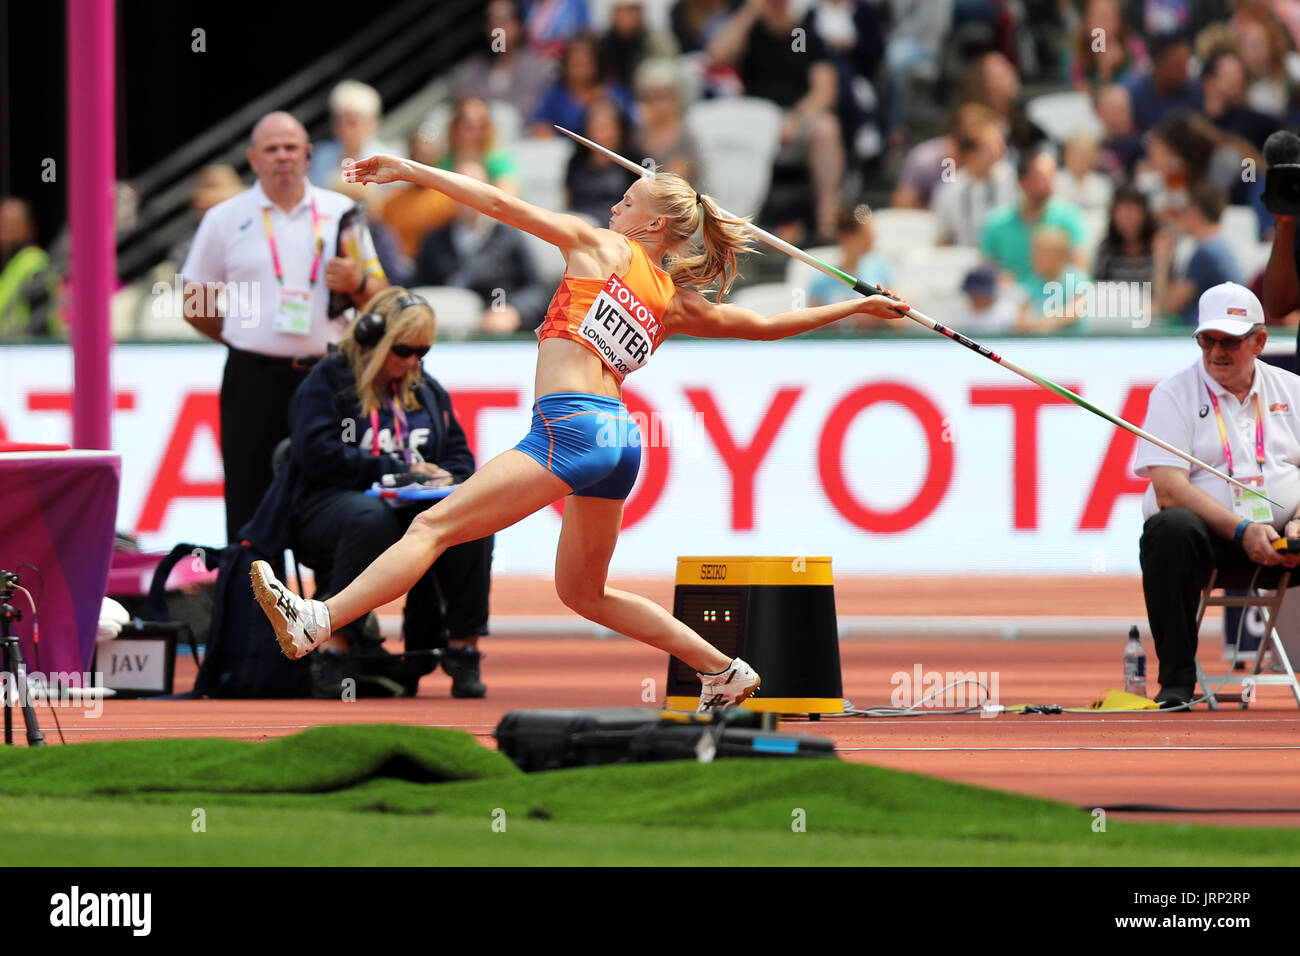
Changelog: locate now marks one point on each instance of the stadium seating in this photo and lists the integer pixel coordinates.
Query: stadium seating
(899, 231)
(766, 298)
(738, 140)
(1239, 227)
(1062, 115)
(547, 259)
(930, 277)
(509, 124)
(800, 275)
(542, 164)
(458, 310)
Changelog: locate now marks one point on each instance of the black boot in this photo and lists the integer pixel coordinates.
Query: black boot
(462, 663)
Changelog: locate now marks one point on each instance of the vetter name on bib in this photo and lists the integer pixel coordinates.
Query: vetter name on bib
(621, 327)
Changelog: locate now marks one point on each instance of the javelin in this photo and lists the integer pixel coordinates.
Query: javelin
(866, 288)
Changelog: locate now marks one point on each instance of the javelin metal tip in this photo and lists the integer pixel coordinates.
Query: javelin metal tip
(642, 171)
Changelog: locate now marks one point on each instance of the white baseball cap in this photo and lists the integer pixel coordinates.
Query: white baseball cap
(1229, 308)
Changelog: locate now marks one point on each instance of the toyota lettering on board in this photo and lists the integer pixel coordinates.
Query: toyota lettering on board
(893, 456)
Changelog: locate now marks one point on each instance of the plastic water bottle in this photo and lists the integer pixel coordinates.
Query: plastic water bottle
(1135, 664)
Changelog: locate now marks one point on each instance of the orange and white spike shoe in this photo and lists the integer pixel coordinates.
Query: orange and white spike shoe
(300, 625)
(729, 688)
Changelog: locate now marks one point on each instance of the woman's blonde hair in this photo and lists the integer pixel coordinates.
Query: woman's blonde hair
(410, 320)
(710, 261)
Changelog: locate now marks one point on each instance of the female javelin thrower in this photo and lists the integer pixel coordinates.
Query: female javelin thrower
(625, 290)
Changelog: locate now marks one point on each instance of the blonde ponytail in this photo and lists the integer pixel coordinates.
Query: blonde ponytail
(711, 261)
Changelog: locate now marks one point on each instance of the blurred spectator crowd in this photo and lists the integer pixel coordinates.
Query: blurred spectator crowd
(1053, 166)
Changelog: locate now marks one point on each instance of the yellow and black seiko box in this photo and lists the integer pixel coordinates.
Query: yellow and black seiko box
(778, 614)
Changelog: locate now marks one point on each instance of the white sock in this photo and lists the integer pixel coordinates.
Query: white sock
(316, 618)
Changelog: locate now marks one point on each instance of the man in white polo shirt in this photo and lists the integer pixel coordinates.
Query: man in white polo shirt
(1241, 416)
(273, 249)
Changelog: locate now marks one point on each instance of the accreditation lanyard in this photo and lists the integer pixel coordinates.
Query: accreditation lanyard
(1223, 432)
(400, 425)
(318, 242)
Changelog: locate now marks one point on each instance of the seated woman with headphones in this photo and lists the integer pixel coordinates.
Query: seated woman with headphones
(368, 410)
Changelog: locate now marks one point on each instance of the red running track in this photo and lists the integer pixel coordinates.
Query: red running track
(1194, 760)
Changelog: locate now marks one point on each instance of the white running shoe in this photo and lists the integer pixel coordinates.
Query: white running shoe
(730, 687)
(300, 625)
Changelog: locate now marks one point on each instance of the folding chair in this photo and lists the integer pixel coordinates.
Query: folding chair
(1270, 605)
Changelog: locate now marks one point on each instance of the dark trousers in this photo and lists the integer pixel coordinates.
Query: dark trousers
(1178, 551)
(346, 530)
(255, 394)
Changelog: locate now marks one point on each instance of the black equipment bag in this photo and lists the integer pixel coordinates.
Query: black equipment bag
(551, 739)
(242, 658)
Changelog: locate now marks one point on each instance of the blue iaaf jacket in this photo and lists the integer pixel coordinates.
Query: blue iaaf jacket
(331, 446)
(332, 440)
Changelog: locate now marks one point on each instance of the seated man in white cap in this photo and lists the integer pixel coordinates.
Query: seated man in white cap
(1239, 415)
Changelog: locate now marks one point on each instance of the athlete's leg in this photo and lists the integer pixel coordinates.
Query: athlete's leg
(507, 489)
(587, 541)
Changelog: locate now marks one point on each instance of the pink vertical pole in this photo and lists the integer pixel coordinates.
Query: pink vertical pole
(90, 215)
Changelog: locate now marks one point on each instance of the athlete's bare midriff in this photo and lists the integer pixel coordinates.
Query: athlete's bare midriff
(564, 365)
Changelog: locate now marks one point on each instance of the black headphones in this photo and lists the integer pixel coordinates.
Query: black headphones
(370, 327)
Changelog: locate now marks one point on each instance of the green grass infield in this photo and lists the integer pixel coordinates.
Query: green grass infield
(400, 795)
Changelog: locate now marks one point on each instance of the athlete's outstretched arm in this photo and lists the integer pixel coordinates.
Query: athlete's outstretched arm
(564, 231)
(692, 314)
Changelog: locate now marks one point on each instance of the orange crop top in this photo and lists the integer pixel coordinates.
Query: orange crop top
(619, 318)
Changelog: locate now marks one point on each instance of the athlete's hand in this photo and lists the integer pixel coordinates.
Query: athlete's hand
(376, 169)
(435, 477)
(883, 307)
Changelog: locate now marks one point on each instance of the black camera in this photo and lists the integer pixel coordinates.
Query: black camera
(1282, 190)
(1282, 181)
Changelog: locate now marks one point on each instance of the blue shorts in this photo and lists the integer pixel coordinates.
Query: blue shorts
(590, 442)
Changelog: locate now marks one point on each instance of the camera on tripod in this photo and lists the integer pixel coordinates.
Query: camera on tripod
(12, 664)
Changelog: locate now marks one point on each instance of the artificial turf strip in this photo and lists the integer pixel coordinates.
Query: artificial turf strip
(317, 760)
(51, 831)
(273, 801)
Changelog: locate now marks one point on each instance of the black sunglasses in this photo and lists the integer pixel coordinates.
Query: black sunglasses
(1228, 343)
(406, 351)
